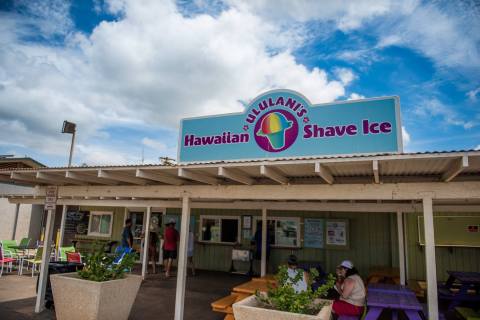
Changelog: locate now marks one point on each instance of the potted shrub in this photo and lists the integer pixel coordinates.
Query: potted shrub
(102, 290)
(281, 302)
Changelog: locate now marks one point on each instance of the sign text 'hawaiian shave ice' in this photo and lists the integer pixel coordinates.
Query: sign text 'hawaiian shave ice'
(283, 124)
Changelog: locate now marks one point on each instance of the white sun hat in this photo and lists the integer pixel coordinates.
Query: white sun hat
(346, 264)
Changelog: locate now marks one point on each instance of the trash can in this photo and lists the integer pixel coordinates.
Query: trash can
(56, 267)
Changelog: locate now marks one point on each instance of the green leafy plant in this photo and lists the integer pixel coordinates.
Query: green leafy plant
(283, 297)
(99, 266)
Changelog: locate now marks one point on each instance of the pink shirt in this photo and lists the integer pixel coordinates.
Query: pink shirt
(170, 239)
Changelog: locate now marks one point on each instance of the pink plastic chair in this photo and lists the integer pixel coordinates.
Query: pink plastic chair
(74, 257)
(6, 259)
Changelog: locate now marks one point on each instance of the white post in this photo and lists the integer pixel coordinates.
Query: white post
(182, 259)
(430, 259)
(47, 244)
(401, 247)
(62, 227)
(15, 221)
(263, 266)
(146, 243)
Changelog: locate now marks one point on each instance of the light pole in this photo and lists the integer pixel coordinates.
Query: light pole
(70, 127)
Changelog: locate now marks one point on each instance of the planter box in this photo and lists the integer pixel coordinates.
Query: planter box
(248, 309)
(76, 298)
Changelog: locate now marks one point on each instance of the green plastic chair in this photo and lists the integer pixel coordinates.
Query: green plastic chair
(25, 242)
(63, 252)
(7, 244)
(36, 261)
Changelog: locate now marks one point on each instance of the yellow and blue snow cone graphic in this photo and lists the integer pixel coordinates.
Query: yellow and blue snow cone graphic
(273, 127)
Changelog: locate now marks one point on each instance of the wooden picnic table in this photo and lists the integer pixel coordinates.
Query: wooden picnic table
(252, 286)
(389, 288)
(469, 289)
(381, 274)
(377, 301)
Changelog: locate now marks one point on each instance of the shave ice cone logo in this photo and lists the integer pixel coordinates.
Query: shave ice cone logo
(276, 130)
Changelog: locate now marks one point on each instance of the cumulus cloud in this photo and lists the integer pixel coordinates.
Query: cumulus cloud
(345, 75)
(151, 67)
(355, 96)
(405, 137)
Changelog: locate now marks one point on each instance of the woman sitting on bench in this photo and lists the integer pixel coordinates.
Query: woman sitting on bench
(351, 289)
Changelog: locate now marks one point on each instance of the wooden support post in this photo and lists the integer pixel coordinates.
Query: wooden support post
(15, 221)
(401, 247)
(47, 244)
(182, 259)
(263, 266)
(146, 243)
(430, 259)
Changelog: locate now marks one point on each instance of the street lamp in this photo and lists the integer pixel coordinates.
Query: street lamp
(70, 127)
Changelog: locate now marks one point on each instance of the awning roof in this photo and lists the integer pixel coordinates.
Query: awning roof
(411, 167)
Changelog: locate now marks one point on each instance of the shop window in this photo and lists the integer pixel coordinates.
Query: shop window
(100, 224)
(282, 232)
(217, 229)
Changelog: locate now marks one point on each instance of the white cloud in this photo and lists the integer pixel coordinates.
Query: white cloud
(345, 75)
(472, 94)
(151, 67)
(405, 137)
(435, 108)
(355, 96)
(477, 147)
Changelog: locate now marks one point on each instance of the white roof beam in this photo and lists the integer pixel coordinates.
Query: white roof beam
(56, 179)
(121, 177)
(190, 175)
(376, 172)
(87, 178)
(168, 179)
(236, 175)
(323, 172)
(21, 177)
(273, 174)
(455, 168)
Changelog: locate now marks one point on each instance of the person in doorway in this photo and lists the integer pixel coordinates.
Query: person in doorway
(170, 240)
(191, 243)
(127, 236)
(293, 271)
(351, 290)
(152, 250)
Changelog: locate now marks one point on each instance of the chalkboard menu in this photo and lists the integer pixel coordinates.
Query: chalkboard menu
(76, 223)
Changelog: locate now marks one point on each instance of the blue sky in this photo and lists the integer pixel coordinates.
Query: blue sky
(127, 71)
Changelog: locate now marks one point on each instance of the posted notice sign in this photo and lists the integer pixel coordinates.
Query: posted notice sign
(284, 124)
(51, 198)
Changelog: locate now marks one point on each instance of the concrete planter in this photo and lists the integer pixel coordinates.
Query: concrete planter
(248, 309)
(79, 299)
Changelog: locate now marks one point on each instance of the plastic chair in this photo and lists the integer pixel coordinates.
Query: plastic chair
(63, 251)
(25, 242)
(74, 257)
(37, 260)
(120, 253)
(5, 259)
(7, 244)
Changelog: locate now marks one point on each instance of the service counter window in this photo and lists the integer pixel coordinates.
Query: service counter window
(219, 229)
(100, 224)
(282, 231)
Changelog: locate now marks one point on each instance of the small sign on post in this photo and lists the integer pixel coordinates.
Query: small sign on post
(51, 198)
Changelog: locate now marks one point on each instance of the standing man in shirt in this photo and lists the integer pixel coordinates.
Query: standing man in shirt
(171, 238)
(127, 236)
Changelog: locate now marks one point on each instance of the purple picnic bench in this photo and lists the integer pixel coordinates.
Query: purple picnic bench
(467, 281)
(396, 300)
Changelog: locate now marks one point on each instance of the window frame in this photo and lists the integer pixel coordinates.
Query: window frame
(213, 217)
(298, 220)
(98, 234)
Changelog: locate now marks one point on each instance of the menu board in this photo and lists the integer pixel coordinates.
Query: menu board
(314, 233)
(337, 233)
